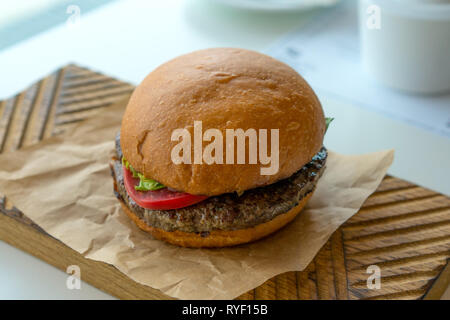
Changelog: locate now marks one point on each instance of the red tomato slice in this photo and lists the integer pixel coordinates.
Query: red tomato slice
(162, 199)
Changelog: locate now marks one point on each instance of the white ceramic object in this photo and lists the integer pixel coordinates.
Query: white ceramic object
(410, 48)
(277, 5)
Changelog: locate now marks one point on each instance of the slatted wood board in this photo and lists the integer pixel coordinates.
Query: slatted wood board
(402, 228)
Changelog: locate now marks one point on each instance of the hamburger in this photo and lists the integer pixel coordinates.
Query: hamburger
(221, 200)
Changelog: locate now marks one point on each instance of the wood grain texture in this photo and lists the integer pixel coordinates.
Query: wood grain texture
(101, 275)
(402, 228)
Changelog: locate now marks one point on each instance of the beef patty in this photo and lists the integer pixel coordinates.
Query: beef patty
(227, 211)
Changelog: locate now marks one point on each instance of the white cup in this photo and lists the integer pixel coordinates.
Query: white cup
(405, 44)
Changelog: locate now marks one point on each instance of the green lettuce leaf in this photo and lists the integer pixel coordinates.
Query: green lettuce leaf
(327, 122)
(145, 184)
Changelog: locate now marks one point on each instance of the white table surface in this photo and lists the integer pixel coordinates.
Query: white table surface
(127, 39)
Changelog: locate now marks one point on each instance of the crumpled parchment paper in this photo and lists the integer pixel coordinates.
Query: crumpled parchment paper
(64, 185)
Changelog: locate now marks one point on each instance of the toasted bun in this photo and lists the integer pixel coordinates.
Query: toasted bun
(225, 89)
(219, 238)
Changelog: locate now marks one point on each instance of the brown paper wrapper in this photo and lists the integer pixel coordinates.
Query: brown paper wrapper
(64, 185)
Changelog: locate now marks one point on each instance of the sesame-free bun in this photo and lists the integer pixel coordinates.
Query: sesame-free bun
(219, 238)
(225, 88)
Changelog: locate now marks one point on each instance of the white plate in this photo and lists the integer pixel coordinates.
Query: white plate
(277, 5)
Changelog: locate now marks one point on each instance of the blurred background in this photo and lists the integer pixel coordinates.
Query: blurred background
(25, 19)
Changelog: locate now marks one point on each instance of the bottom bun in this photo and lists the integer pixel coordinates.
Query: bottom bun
(219, 238)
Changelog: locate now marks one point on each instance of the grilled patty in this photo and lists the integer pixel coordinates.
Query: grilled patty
(228, 211)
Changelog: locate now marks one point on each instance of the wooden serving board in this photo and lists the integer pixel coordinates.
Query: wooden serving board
(402, 228)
